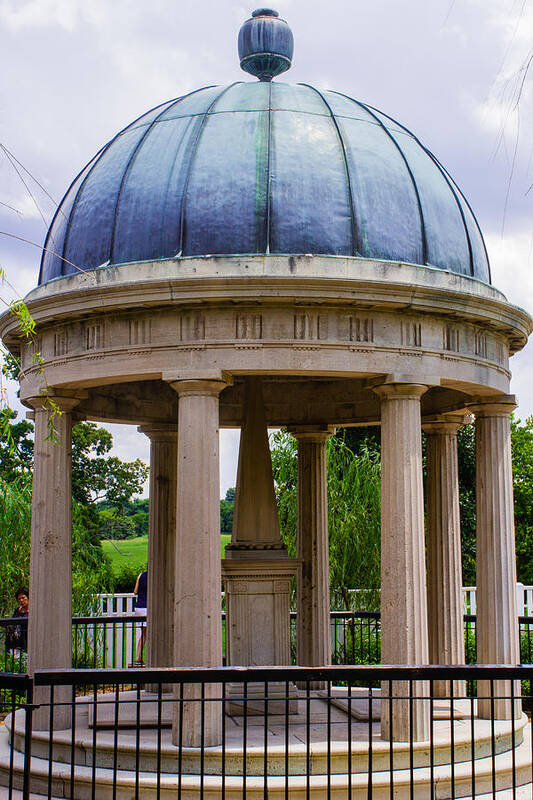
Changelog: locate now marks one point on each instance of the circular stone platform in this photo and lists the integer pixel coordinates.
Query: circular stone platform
(266, 745)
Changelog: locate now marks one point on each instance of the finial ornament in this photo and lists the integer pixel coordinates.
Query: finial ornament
(266, 44)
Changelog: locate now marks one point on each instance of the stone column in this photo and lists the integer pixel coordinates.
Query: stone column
(497, 623)
(404, 628)
(313, 625)
(50, 619)
(444, 575)
(197, 608)
(161, 544)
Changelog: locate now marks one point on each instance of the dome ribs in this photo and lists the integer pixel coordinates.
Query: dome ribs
(131, 161)
(370, 111)
(356, 248)
(294, 169)
(194, 151)
(94, 162)
(269, 176)
(449, 182)
(474, 221)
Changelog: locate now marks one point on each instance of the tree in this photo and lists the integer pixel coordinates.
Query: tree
(91, 571)
(226, 511)
(115, 526)
(16, 447)
(522, 454)
(354, 513)
(15, 525)
(96, 474)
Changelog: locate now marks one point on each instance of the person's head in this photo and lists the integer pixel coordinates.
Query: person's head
(23, 598)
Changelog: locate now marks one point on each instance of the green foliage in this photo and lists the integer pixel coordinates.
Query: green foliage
(226, 511)
(354, 502)
(466, 461)
(126, 576)
(15, 526)
(284, 453)
(128, 521)
(113, 525)
(91, 570)
(96, 474)
(10, 366)
(354, 512)
(522, 455)
(16, 446)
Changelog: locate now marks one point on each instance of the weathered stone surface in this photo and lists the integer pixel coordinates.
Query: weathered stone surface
(313, 625)
(497, 622)
(444, 573)
(404, 626)
(161, 544)
(50, 620)
(197, 624)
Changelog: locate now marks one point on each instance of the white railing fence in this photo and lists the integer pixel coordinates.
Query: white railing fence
(123, 604)
(120, 642)
(120, 637)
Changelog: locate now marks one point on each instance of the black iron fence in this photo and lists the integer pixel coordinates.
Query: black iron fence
(111, 642)
(280, 732)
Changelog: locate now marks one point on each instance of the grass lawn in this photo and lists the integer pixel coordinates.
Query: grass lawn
(134, 552)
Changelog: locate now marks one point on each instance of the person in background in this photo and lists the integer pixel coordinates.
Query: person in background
(141, 590)
(17, 635)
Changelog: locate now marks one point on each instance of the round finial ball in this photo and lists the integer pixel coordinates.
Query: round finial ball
(266, 44)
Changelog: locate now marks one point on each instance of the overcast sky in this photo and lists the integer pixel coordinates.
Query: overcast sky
(453, 71)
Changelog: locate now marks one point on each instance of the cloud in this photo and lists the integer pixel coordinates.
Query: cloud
(20, 14)
(511, 259)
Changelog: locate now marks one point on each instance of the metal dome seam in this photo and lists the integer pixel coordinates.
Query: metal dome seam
(446, 178)
(103, 150)
(192, 159)
(353, 226)
(409, 170)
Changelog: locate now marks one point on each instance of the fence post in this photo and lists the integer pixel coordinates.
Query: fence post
(28, 727)
(520, 599)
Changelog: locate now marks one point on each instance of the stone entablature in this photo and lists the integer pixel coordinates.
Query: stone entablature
(293, 315)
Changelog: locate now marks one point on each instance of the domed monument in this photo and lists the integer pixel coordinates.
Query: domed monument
(260, 255)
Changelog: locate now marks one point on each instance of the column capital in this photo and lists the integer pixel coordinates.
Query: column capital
(160, 431)
(445, 424)
(65, 400)
(500, 406)
(211, 382)
(408, 391)
(312, 433)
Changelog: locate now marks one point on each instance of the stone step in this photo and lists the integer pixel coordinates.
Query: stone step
(298, 756)
(255, 785)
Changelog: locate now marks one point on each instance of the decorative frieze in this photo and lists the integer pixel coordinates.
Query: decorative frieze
(310, 326)
(361, 329)
(61, 342)
(192, 326)
(33, 351)
(480, 344)
(411, 334)
(248, 326)
(94, 336)
(450, 337)
(140, 331)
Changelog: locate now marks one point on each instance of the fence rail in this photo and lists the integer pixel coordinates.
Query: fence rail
(300, 733)
(111, 642)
